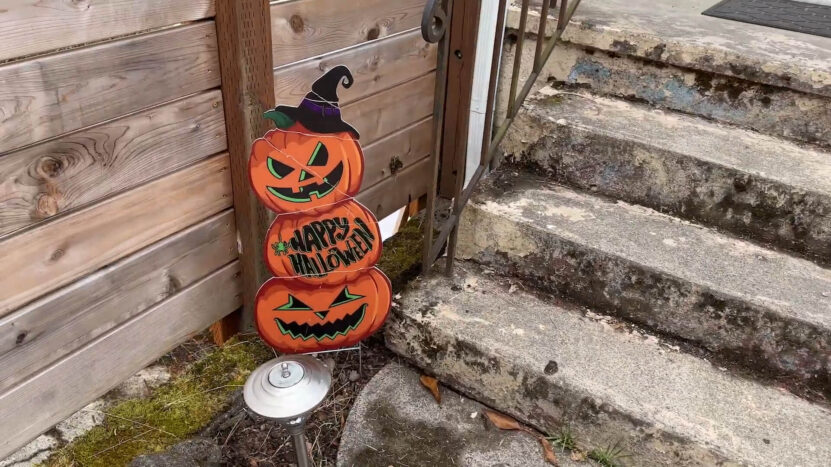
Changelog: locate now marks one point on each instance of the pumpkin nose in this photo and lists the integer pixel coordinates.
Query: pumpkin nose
(322, 314)
(305, 175)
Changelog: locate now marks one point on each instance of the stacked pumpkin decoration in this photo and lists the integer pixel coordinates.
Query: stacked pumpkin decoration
(323, 246)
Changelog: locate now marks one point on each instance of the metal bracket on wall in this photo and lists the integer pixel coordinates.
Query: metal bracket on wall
(433, 21)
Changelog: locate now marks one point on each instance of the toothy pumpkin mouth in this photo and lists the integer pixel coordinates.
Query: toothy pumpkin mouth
(306, 191)
(322, 331)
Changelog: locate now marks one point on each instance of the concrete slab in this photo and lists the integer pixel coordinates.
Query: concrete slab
(395, 421)
(769, 311)
(767, 109)
(550, 364)
(750, 184)
(675, 32)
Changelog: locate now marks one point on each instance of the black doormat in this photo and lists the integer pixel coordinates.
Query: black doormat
(796, 16)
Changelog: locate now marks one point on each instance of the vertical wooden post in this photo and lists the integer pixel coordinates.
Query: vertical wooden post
(243, 30)
(464, 27)
(464, 31)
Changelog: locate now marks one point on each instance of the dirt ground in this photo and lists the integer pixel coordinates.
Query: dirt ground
(249, 440)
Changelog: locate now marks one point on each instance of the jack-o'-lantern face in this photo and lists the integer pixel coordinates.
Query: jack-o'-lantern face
(298, 170)
(296, 317)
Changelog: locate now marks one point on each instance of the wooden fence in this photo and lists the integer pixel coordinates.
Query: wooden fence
(125, 218)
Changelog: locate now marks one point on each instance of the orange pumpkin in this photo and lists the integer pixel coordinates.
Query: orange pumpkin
(296, 317)
(295, 169)
(325, 248)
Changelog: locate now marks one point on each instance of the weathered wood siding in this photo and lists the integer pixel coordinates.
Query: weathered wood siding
(117, 236)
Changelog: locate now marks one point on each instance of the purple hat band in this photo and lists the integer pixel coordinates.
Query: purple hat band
(325, 111)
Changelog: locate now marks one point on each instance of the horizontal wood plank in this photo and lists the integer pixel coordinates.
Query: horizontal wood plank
(396, 152)
(397, 191)
(70, 383)
(302, 29)
(376, 66)
(80, 168)
(50, 328)
(55, 254)
(55, 94)
(388, 111)
(35, 26)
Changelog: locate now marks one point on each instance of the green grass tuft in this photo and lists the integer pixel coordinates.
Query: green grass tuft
(609, 456)
(564, 439)
(172, 413)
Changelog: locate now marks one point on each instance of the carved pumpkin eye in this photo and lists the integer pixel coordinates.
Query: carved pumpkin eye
(319, 158)
(345, 297)
(294, 304)
(278, 169)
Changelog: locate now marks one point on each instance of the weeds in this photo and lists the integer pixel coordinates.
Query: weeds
(610, 456)
(564, 439)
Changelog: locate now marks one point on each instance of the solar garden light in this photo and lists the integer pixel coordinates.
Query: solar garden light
(287, 390)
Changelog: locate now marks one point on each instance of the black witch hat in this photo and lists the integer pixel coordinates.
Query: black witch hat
(319, 110)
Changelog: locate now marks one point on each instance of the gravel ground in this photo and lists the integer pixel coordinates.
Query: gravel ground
(249, 440)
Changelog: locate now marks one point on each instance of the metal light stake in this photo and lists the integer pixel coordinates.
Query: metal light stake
(287, 390)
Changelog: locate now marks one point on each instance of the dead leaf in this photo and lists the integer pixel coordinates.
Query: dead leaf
(433, 385)
(548, 451)
(578, 456)
(503, 422)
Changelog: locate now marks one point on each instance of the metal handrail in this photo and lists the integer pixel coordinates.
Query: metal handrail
(543, 50)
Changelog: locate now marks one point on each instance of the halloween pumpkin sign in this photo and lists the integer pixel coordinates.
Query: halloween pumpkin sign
(313, 158)
(297, 317)
(325, 248)
(323, 245)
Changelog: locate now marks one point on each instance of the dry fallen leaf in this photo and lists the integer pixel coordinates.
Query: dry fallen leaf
(548, 451)
(433, 385)
(503, 422)
(578, 456)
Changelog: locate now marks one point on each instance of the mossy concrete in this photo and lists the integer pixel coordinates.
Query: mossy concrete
(676, 33)
(772, 110)
(763, 310)
(756, 186)
(396, 421)
(612, 384)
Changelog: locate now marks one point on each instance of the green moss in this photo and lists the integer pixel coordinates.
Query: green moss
(172, 413)
(554, 100)
(401, 259)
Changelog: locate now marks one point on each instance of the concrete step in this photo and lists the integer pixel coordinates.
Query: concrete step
(766, 311)
(555, 366)
(667, 54)
(395, 421)
(753, 185)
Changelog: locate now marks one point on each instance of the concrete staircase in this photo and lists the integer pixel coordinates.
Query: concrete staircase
(651, 266)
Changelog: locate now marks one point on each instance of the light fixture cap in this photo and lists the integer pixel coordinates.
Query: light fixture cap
(287, 389)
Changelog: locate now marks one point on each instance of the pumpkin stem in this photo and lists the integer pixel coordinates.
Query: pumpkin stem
(281, 120)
